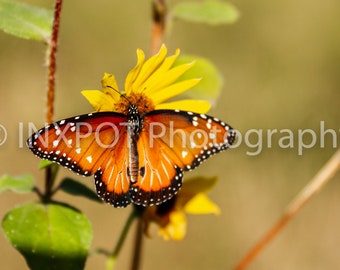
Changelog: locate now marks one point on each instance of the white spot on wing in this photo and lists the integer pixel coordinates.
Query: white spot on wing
(89, 159)
(184, 153)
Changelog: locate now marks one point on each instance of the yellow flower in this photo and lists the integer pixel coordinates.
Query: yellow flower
(171, 215)
(148, 85)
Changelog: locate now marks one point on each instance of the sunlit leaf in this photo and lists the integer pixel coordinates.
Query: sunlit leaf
(51, 236)
(19, 184)
(25, 21)
(210, 11)
(78, 189)
(210, 85)
(45, 163)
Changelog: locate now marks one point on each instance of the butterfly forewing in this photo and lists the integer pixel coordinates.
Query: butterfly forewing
(191, 137)
(89, 144)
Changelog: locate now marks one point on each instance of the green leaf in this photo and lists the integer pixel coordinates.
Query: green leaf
(51, 236)
(210, 11)
(73, 187)
(25, 21)
(19, 184)
(209, 88)
(45, 163)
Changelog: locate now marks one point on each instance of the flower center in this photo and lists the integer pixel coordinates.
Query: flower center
(143, 103)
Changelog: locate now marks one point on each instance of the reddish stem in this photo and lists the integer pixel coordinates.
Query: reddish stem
(51, 86)
(52, 61)
(159, 12)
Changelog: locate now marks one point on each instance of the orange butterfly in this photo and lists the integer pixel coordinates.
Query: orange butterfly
(134, 158)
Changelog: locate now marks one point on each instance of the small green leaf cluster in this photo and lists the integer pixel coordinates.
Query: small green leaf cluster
(213, 12)
(49, 234)
(25, 21)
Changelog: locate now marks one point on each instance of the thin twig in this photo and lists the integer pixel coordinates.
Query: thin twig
(51, 85)
(52, 61)
(317, 182)
(159, 13)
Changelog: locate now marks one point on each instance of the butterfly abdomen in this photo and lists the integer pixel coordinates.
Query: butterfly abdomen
(134, 127)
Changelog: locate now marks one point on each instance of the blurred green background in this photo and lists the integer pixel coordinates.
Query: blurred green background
(281, 68)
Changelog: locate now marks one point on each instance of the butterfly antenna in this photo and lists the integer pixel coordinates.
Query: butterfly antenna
(121, 94)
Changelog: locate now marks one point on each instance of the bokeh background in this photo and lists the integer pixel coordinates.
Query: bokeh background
(281, 68)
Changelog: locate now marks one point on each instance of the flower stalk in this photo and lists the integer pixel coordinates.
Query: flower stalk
(112, 258)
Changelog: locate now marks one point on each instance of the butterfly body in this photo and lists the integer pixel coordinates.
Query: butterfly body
(134, 157)
(134, 127)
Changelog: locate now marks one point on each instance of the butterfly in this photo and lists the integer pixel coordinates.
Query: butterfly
(134, 157)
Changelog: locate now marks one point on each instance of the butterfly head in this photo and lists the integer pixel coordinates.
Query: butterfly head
(142, 103)
(134, 120)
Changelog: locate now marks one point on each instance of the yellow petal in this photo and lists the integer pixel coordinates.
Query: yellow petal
(110, 87)
(159, 81)
(133, 74)
(168, 62)
(201, 204)
(144, 71)
(99, 100)
(176, 228)
(197, 106)
(173, 90)
(109, 82)
(194, 186)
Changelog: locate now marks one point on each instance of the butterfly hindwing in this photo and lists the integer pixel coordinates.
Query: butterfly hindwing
(111, 179)
(160, 177)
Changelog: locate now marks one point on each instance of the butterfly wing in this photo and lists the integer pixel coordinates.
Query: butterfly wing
(90, 144)
(171, 142)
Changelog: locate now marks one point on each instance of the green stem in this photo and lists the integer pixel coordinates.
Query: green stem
(138, 245)
(50, 180)
(111, 261)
